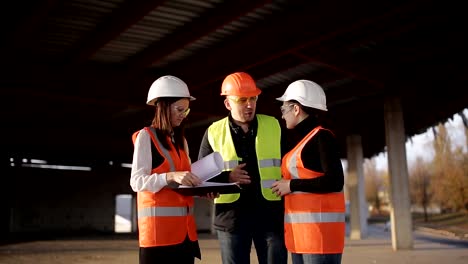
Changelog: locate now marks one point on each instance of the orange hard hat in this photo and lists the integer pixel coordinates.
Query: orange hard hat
(239, 84)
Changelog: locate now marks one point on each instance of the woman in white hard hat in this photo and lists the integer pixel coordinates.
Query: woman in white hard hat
(166, 224)
(312, 183)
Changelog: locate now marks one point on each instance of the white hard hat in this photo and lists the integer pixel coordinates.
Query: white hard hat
(168, 86)
(307, 93)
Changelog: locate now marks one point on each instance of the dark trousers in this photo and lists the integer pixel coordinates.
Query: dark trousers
(235, 247)
(183, 253)
(316, 258)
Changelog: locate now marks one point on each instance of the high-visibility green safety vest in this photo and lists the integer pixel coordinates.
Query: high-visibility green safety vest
(267, 147)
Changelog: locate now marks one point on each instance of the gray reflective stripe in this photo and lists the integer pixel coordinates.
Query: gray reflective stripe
(267, 183)
(230, 164)
(314, 217)
(165, 211)
(265, 163)
(164, 150)
(292, 165)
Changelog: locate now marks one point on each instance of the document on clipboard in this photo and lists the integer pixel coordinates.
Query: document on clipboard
(208, 187)
(206, 168)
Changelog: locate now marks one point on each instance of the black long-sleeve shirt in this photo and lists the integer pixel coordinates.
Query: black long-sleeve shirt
(251, 210)
(319, 154)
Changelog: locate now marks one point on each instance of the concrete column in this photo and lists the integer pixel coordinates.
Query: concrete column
(400, 214)
(5, 196)
(134, 216)
(213, 216)
(355, 186)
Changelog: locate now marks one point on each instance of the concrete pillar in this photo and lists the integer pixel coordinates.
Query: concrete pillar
(202, 213)
(5, 196)
(355, 186)
(400, 213)
(213, 216)
(134, 217)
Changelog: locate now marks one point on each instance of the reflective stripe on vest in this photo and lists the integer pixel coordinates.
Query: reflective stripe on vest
(314, 223)
(313, 217)
(165, 211)
(230, 164)
(164, 151)
(266, 163)
(166, 217)
(292, 164)
(268, 150)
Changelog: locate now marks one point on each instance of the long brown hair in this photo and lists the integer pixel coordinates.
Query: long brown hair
(162, 123)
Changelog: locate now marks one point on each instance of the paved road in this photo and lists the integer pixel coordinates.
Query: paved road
(375, 249)
(428, 248)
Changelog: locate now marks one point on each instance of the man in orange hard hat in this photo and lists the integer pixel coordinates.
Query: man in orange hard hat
(250, 145)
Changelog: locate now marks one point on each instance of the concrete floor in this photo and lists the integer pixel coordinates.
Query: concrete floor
(376, 249)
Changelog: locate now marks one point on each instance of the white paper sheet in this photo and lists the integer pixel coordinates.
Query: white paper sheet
(208, 184)
(208, 167)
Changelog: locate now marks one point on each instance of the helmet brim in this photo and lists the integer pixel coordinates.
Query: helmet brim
(257, 92)
(303, 102)
(152, 101)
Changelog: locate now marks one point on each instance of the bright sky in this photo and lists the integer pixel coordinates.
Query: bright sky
(420, 145)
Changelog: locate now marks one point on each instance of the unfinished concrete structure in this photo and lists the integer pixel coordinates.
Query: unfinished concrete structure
(75, 74)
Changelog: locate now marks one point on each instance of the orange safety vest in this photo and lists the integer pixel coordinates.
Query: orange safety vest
(313, 223)
(165, 217)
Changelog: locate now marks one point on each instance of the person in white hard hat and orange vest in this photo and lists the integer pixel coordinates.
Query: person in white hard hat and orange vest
(166, 224)
(312, 183)
(250, 145)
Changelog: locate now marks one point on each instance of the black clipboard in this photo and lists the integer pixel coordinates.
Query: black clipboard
(208, 187)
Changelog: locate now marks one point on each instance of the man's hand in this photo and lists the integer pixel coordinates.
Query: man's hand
(239, 175)
(211, 196)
